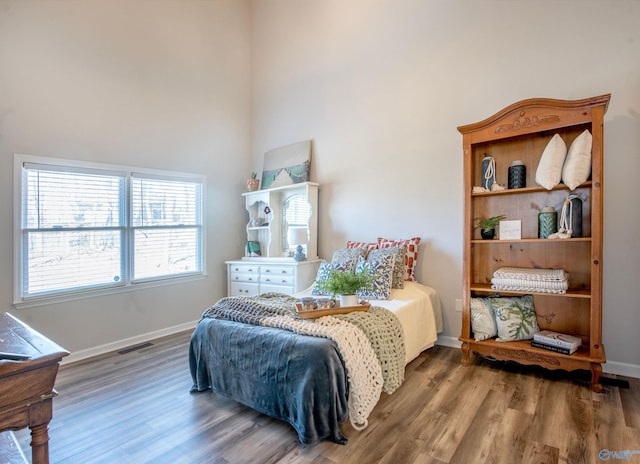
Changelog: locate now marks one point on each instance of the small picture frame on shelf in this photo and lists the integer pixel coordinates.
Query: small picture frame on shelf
(510, 230)
(253, 249)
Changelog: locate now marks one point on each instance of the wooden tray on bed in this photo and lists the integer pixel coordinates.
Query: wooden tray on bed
(314, 313)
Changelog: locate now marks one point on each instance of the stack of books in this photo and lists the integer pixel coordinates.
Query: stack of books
(554, 341)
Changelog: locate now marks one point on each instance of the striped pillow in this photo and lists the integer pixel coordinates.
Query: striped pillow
(367, 245)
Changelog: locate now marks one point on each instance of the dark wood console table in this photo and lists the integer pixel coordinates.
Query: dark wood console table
(26, 385)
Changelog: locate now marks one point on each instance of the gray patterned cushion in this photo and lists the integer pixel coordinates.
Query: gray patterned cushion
(398, 252)
(343, 255)
(382, 268)
(515, 318)
(323, 273)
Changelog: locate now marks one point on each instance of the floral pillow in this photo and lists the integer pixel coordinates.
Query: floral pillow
(483, 319)
(382, 268)
(399, 253)
(323, 273)
(515, 318)
(411, 257)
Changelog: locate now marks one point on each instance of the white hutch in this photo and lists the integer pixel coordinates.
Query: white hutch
(268, 264)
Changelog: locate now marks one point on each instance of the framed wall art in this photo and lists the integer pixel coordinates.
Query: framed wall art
(287, 165)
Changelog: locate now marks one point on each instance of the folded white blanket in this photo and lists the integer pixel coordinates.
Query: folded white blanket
(545, 275)
(524, 285)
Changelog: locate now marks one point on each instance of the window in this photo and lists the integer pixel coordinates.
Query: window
(87, 227)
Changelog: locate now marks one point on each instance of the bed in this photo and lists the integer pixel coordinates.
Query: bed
(296, 375)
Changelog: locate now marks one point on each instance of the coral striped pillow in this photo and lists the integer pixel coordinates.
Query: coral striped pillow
(367, 245)
(410, 259)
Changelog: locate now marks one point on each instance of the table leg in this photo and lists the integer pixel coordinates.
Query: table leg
(40, 444)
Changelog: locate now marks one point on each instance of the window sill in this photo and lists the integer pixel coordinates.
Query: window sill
(61, 298)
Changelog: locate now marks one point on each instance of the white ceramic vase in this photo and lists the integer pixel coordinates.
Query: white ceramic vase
(348, 300)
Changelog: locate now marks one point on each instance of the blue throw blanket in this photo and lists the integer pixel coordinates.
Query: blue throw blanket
(296, 378)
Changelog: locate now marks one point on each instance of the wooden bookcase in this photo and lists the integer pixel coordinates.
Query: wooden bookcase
(521, 131)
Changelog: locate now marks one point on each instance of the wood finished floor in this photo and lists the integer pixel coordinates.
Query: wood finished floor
(136, 408)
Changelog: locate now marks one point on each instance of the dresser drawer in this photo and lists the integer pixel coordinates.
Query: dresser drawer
(279, 271)
(244, 268)
(242, 277)
(276, 279)
(244, 289)
(276, 289)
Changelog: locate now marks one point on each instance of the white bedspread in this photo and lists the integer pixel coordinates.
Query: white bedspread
(419, 311)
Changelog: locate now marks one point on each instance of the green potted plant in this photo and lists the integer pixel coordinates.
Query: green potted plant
(345, 284)
(253, 183)
(487, 226)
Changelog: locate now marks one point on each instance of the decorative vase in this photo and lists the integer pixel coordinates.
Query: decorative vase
(348, 300)
(517, 175)
(488, 172)
(252, 184)
(574, 215)
(547, 222)
(487, 234)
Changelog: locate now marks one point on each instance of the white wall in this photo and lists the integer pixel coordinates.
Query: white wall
(163, 85)
(381, 85)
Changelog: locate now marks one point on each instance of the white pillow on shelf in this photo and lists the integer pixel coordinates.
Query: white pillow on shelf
(549, 172)
(577, 166)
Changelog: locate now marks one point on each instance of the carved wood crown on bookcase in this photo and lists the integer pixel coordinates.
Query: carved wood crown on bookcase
(525, 121)
(522, 121)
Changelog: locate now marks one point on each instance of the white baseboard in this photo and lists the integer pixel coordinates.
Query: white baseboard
(125, 343)
(610, 367)
(620, 368)
(451, 342)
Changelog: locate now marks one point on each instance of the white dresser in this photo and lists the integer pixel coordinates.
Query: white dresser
(252, 277)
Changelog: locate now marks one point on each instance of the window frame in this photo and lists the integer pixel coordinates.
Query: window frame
(127, 254)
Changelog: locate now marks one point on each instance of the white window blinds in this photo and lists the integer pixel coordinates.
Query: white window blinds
(90, 228)
(166, 227)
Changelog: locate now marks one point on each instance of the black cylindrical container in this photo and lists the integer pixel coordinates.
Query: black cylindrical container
(517, 175)
(574, 215)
